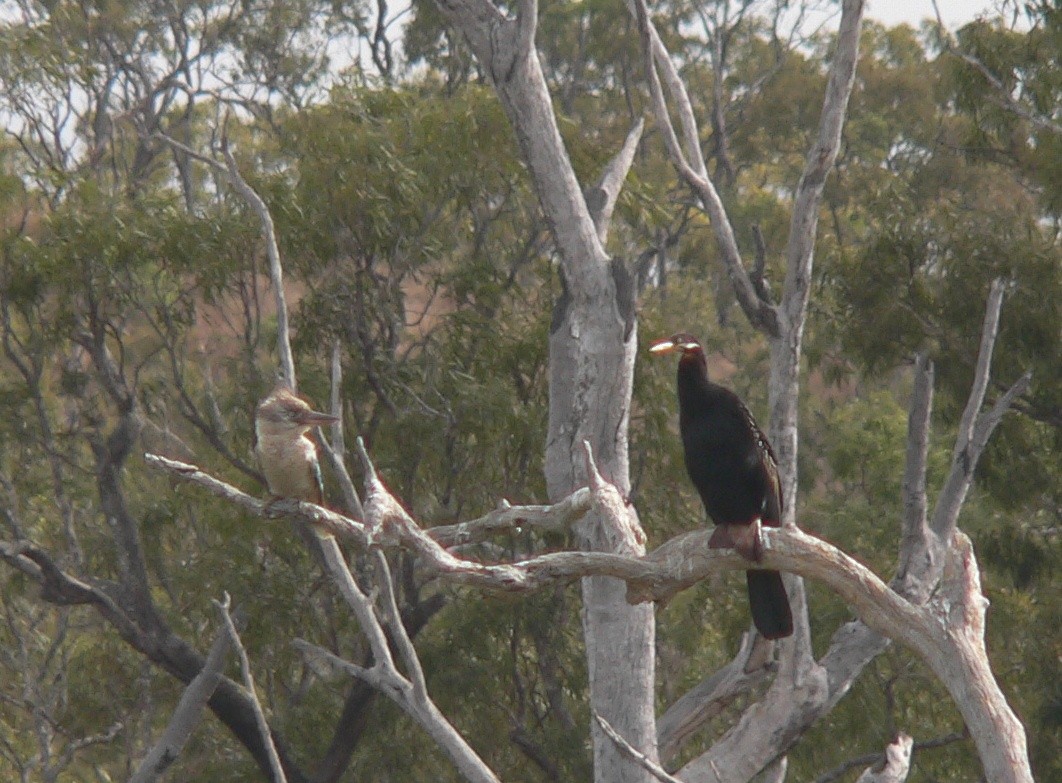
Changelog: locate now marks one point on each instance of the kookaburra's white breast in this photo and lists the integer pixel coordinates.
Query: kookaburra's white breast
(289, 461)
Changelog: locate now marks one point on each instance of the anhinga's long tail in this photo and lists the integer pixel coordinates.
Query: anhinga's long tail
(769, 604)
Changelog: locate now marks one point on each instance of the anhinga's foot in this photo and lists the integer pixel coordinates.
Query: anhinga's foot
(745, 537)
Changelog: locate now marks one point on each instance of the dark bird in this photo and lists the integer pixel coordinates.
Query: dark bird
(287, 455)
(735, 472)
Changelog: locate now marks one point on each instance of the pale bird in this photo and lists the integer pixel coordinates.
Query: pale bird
(287, 455)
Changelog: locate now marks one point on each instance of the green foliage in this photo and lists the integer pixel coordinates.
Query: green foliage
(411, 235)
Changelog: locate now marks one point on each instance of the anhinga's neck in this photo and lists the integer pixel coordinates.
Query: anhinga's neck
(694, 388)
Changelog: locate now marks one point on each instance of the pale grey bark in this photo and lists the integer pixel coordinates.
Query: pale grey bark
(881, 760)
(787, 348)
(560, 516)
(187, 715)
(408, 690)
(750, 667)
(592, 351)
(602, 198)
(635, 755)
(803, 685)
(895, 765)
(947, 633)
(774, 772)
(231, 172)
(913, 488)
(275, 767)
(337, 447)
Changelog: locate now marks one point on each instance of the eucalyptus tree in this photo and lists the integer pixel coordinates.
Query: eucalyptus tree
(429, 242)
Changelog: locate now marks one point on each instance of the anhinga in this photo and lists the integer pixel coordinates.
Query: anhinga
(733, 468)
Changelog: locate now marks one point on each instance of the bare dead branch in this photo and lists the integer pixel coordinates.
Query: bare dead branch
(975, 427)
(988, 421)
(14, 554)
(502, 49)
(77, 745)
(802, 226)
(633, 753)
(362, 606)
(948, 633)
(411, 696)
(788, 712)
(60, 588)
(689, 162)
(918, 550)
(982, 371)
(759, 268)
(374, 676)
(276, 767)
(276, 271)
(555, 517)
(1000, 94)
(187, 715)
(229, 702)
(222, 489)
(559, 516)
(749, 667)
(231, 172)
(335, 449)
(879, 758)
(775, 771)
(918, 419)
(590, 395)
(527, 25)
(393, 619)
(366, 462)
(602, 199)
(676, 87)
(894, 765)
(618, 520)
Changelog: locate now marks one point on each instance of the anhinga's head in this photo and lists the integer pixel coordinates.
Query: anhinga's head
(682, 341)
(284, 411)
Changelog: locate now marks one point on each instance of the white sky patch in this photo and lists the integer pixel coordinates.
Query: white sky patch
(954, 12)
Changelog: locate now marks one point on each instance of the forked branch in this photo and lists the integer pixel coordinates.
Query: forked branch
(948, 633)
(231, 172)
(688, 160)
(407, 690)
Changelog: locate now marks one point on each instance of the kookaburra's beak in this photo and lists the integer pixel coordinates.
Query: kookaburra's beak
(311, 418)
(663, 346)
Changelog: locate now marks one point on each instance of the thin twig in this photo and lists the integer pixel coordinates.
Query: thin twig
(276, 270)
(335, 449)
(688, 160)
(633, 753)
(248, 682)
(231, 172)
(914, 474)
(876, 757)
(968, 448)
(414, 671)
(1001, 95)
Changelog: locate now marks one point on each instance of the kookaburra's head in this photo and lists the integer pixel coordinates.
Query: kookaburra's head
(285, 412)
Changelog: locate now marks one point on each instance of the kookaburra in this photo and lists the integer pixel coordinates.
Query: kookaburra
(287, 455)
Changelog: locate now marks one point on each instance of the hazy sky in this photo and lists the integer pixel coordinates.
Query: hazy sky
(954, 12)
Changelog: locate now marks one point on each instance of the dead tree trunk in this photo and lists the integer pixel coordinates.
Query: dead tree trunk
(592, 351)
